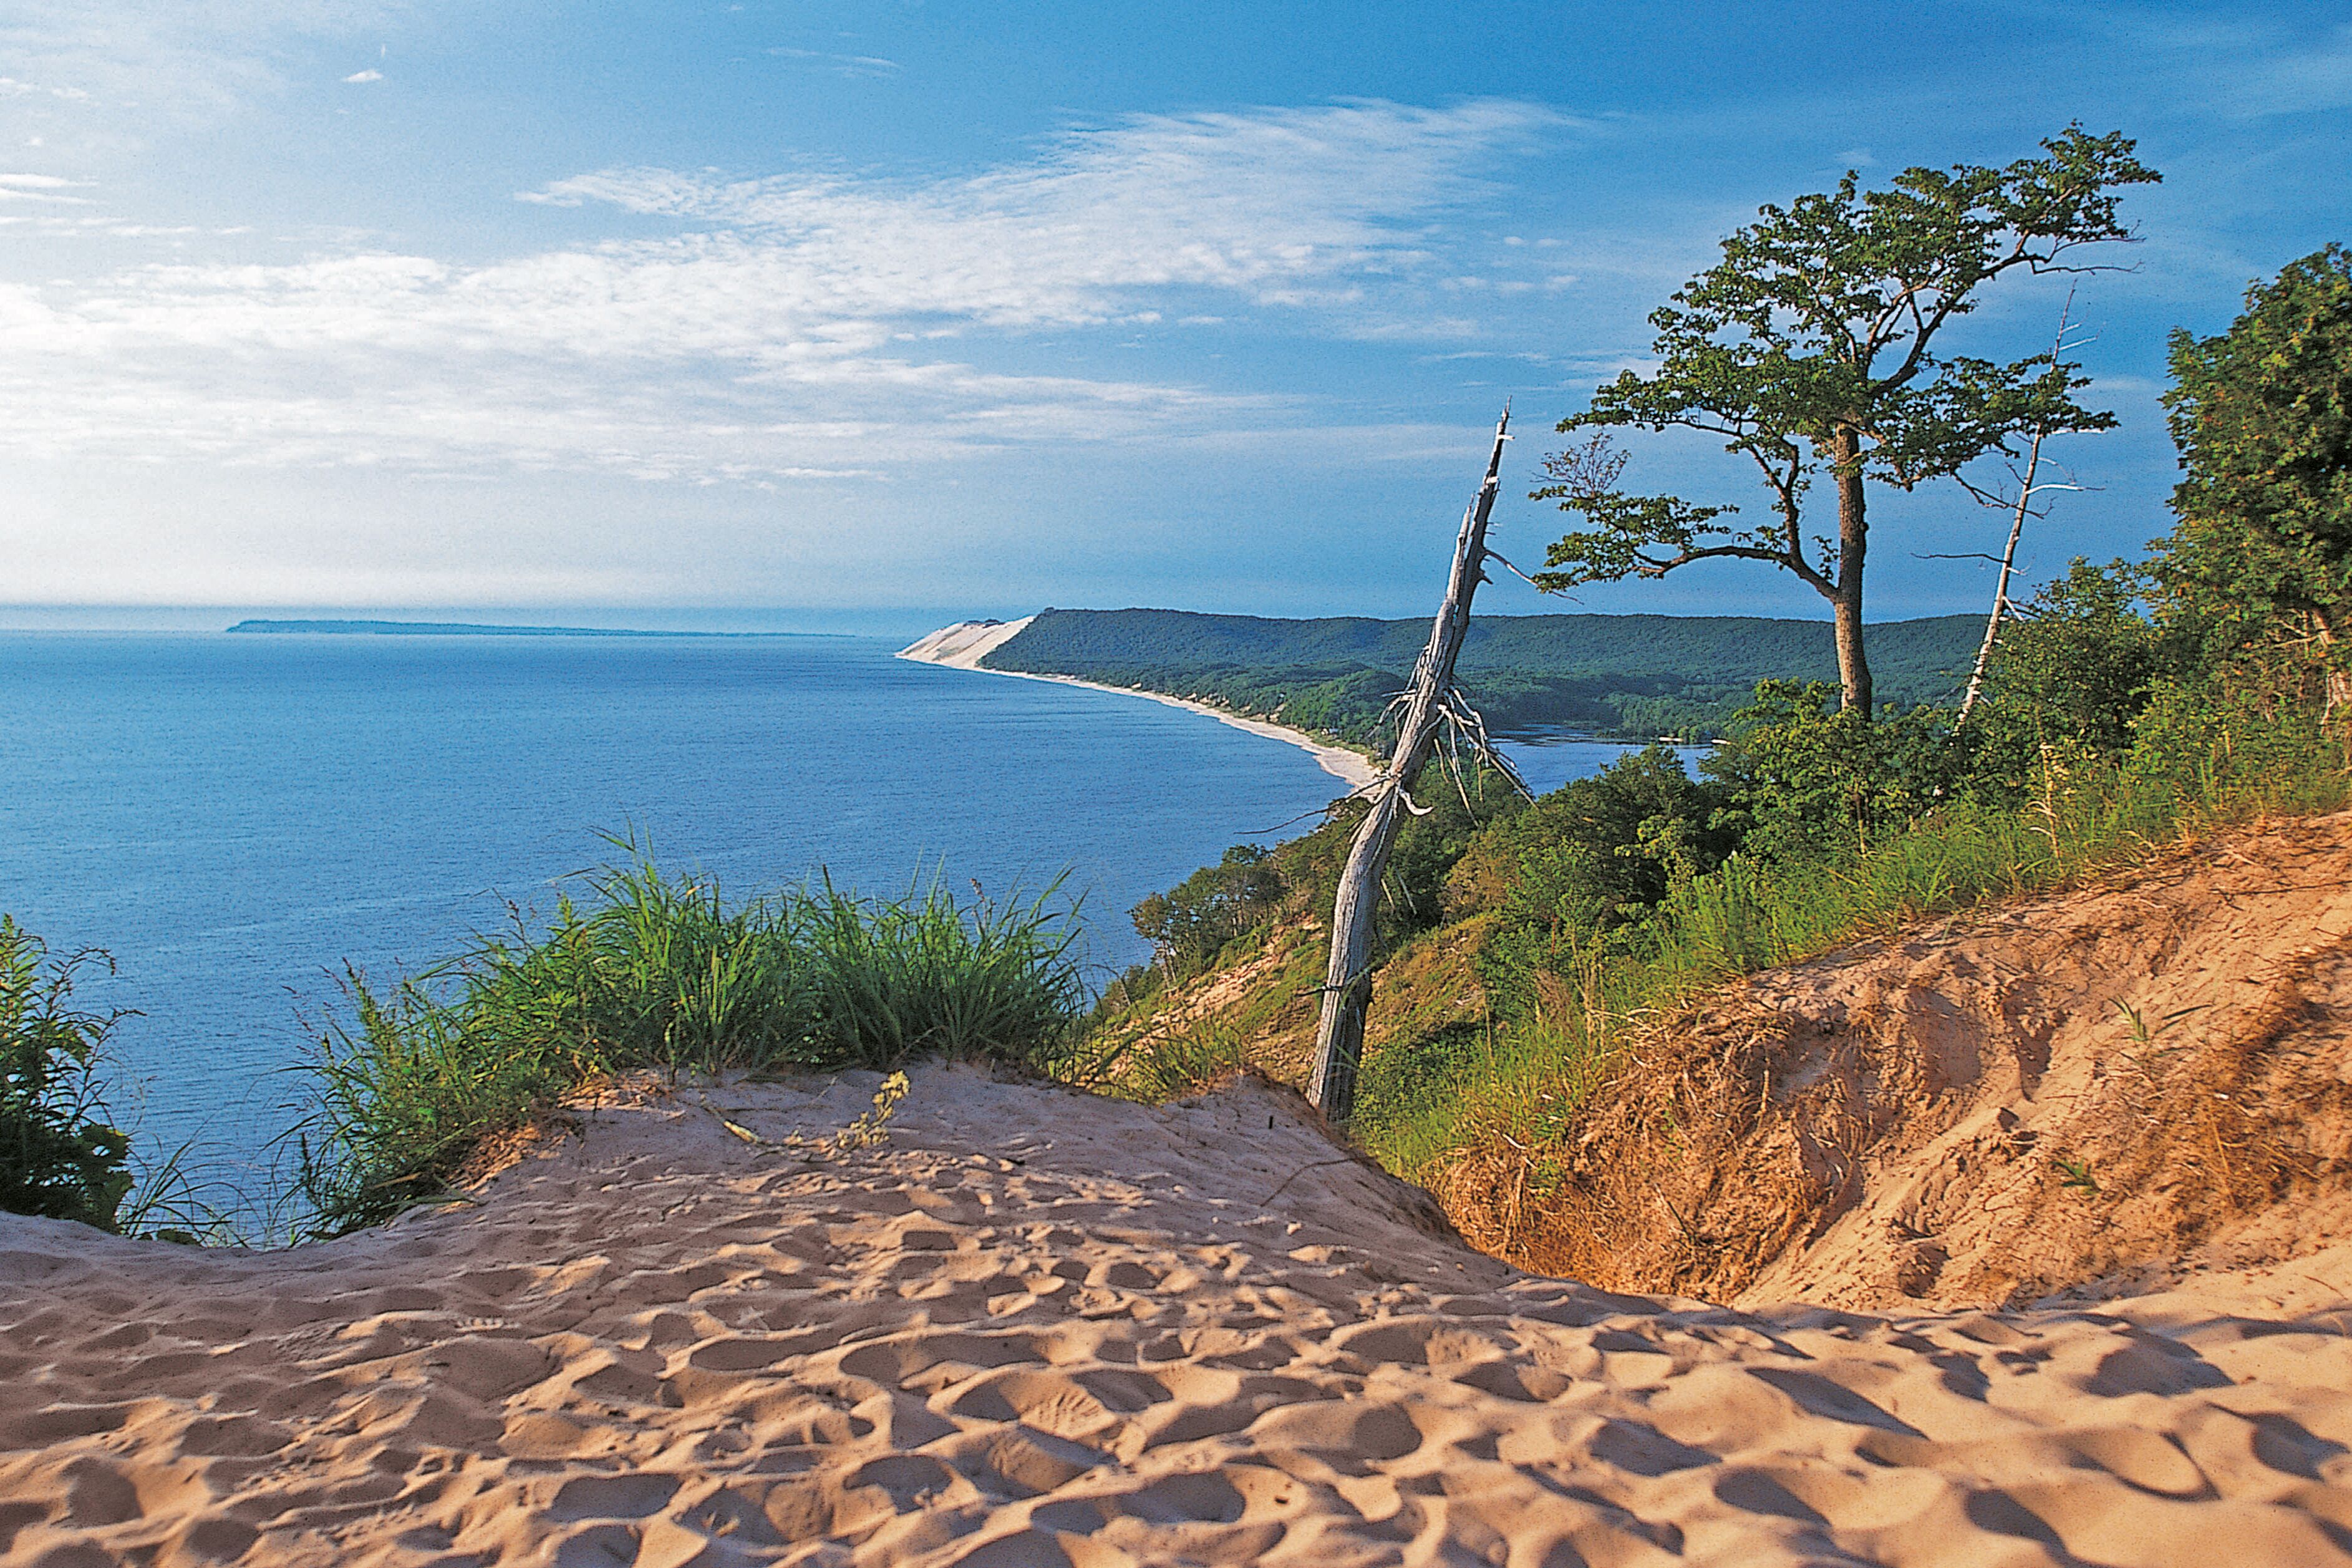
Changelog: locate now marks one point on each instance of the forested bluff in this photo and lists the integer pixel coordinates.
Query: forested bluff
(1629, 677)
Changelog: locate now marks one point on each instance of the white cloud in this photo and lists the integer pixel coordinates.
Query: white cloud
(38, 188)
(160, 62)
(769, 336)
(11, 87)
(365, 76)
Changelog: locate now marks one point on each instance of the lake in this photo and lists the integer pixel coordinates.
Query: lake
(236, 818)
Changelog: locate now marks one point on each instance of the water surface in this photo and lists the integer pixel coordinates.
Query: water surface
(237, 818)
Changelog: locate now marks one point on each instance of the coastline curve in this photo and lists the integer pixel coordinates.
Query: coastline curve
(965, 644)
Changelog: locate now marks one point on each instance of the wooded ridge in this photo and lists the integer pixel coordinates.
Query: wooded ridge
(1618, 675)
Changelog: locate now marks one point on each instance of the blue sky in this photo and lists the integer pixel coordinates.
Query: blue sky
(880, 313)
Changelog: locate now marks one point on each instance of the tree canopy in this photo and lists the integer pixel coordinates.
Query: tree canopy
(1810, 350)
(2262, 415)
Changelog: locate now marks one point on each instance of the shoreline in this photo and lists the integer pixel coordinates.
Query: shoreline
(963, 646)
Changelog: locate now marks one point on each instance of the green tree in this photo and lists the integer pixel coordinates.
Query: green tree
(2069, 677)
(1810, 350)
(2263, 415)
(1189, 922)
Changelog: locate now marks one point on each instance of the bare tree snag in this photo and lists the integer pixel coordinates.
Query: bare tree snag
(2027, 489)
(1430, 701)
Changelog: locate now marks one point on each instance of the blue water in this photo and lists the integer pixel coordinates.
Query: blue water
(236, 818)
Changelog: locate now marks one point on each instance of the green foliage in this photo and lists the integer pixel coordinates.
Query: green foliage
(2246, 727)
(2072, 671)
(2262, 415)
(1635, 675)
(657, 971)
(1160, 1063)
(59, 1156)
(1802, 779)
(1807, 350)
(1414, 892)
(1192, 922)
(1583, 868)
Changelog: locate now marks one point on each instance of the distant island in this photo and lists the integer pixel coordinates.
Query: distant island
(1628, 677)
(471, 630)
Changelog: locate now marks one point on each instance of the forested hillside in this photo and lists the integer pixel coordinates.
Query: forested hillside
(1631, 675)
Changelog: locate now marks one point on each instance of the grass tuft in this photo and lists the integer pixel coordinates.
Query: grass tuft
(654, 971)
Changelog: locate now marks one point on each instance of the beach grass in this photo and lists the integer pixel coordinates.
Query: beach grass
(652, 970)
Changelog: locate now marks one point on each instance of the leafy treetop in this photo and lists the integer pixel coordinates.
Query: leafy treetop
(1809, 347)
(2262, 415)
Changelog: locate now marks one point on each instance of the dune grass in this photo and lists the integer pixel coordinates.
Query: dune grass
(655, 971)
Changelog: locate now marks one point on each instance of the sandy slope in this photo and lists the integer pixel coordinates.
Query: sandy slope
(965, 644)
(2102, 1090)
(1040, 1329)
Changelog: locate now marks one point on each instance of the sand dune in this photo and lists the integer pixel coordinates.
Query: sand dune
(1036, 1328)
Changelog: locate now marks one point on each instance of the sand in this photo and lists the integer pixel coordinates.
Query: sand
(1039, 1328)
(2103, 1090)
(964, 645)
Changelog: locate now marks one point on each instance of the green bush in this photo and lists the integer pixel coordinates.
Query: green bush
(1580, 870)
(60, 1158)
(2075, 668)
(1803, 779)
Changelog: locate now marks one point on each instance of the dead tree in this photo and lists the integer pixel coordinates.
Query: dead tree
(1431, 703)
(2027, 489)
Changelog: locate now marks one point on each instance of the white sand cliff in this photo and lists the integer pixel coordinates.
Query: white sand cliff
(1040, 1328)
(965, 644)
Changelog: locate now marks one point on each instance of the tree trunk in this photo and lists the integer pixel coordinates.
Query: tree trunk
(1853, 542)
(1347, 979)
(2001, 584)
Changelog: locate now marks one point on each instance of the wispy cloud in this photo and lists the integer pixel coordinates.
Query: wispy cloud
(175, 60)
(37, 188)
(365, 76)
(2245, 64)
(11, 87)
(872, 67)
(780, 330)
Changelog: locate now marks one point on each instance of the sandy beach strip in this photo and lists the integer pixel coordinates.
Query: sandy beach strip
(962, 648)
(688, 1330)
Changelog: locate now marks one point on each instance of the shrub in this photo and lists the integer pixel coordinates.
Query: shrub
(59, 1157)
(1583, 867)
(1802, 779)
(2072, 671)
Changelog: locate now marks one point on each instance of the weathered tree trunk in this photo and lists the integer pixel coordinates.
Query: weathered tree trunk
(1853, 542)
(2000, 584)
(2026, 487)
(1347, 980)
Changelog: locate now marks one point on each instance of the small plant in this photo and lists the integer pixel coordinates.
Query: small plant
(2076, 1174)
(874, 1126)
(2147, 1057)
(1161, 1062)
(60, 1156)
(655, 971)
